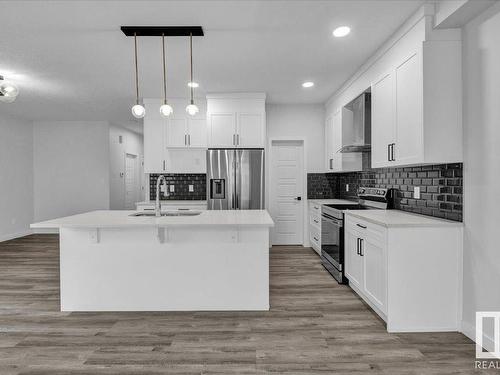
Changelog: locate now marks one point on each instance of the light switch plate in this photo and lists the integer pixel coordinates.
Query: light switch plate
(191, 188)
(346, 187)
(416, 192)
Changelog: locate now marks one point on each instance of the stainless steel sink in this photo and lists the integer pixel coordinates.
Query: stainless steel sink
(169, 213)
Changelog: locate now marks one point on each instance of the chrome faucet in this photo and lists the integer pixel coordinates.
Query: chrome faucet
(158, 183)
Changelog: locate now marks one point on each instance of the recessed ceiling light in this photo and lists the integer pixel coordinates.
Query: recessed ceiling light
(193, 85)
(341, 31)
(308, 84)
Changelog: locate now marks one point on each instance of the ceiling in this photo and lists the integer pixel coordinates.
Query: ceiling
(71, 61)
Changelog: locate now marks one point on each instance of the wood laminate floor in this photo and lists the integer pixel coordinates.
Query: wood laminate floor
(315, 326)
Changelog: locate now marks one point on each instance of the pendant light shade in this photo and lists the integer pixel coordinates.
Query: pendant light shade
(192, 109)
(166, 109)
(8, 91)
(138, 110)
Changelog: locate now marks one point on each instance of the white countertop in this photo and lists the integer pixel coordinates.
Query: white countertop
(122, 219)
(332, 201)
(397, 218)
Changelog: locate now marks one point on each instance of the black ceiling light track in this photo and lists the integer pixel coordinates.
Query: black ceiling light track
(162, 30)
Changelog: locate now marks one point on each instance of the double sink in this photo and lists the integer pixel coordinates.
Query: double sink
(168, 213)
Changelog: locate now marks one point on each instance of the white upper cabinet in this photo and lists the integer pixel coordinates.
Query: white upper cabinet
(222, 129)
(179, 131)
(416, 96)
(383, 130)
(176, 132)
(416, 115)
(251, 130)
(236, 120)
(338, 133)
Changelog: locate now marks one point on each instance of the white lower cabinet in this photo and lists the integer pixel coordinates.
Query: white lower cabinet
(409, 275)
(315, 226)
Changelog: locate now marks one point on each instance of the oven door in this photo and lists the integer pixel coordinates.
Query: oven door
(332, 240)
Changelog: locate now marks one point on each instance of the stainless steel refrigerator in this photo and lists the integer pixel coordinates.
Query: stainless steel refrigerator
(235, 179)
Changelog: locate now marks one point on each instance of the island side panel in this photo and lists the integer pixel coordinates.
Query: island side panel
(183, 269)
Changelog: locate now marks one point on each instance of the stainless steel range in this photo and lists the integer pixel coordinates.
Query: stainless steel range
(332, 226)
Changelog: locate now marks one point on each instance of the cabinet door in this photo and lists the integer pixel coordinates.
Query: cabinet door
(337, 141)
(409, 111)
(251, 129)
(197, 130)
(176, 132)
(375, 271)
(222, 129)
(353, 261)
(383, 114)
(154, 150)
(329, 144)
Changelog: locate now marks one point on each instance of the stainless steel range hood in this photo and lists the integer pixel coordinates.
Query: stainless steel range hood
(361, 125)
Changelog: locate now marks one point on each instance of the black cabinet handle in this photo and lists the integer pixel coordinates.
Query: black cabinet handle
(298, 198)
(316, 239)
(392, 150)
(361, 226)
(361, 252)
(357, 246)
(316, 221)
(389, 152)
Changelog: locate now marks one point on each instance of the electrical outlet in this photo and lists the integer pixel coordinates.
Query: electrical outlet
(416, 192)
(172, 188)
(346, 187)
(163, 188)
(191, 188)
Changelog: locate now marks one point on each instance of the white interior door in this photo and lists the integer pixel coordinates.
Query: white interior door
(132, 188)
(286, 192)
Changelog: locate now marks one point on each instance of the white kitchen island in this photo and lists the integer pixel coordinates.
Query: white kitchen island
(111, 261)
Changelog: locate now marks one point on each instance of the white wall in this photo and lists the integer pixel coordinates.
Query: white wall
(71, 168)
(305, 121)
(132, 143)
(481, 115)
(16, 177)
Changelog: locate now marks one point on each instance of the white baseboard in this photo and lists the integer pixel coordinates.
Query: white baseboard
(469, 330)
(11, 236)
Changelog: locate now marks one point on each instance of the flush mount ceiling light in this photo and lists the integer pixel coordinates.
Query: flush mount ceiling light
(165, 110)
(8, 91)
(138, 110)
(341, 31)
(308, 84)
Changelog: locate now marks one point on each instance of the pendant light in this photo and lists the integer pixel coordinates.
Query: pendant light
(192, 109)
(138, 111)
(8, 91)
(165, 110)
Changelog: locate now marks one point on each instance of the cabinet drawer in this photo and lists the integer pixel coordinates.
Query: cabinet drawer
(315, 208)
(315, 238)
(315, 220)
(375, 232)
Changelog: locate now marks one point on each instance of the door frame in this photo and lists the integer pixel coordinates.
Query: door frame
(305, 221)
(138, 173)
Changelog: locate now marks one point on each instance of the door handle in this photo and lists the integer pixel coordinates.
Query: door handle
(298, 198)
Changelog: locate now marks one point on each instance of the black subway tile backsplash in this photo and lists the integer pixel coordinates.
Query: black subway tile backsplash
(181, 182)
(440, 187)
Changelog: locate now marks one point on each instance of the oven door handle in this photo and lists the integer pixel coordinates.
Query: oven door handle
(332, 220)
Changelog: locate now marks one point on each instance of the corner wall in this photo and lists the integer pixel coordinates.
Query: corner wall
(481, 116)
(71, 168)
(16, 177)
